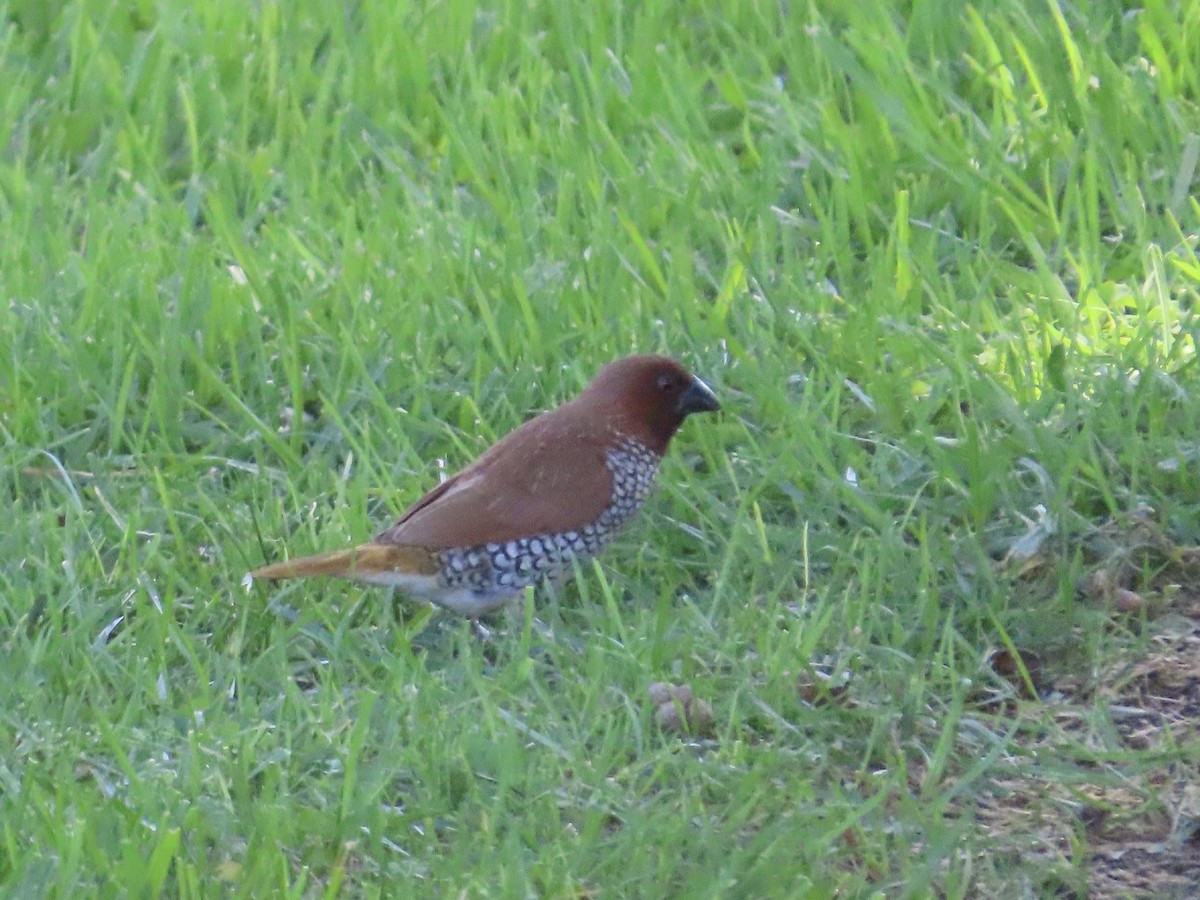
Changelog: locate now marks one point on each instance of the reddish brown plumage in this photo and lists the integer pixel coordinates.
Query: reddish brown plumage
(554, 475)
(550, 474)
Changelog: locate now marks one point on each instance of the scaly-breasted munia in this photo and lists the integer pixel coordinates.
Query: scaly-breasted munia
(553, 491)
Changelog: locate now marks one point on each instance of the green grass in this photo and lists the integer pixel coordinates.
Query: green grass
(939, 262)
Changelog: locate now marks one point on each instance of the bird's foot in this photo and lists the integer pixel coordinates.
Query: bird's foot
(482, 633)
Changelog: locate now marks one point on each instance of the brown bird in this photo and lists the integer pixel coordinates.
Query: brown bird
(553, 491)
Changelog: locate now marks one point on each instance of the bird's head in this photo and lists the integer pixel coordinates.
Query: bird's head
(648, 397)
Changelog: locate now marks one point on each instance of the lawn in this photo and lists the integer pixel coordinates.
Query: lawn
(270, 270)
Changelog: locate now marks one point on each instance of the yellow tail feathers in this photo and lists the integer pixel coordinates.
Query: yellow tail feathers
(367, 562)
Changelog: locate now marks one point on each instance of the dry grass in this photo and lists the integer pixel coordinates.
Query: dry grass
(1103, 789)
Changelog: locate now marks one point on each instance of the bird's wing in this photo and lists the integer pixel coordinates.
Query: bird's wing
(550, 475)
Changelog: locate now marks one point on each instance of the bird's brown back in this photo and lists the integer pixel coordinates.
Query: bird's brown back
(550, 475)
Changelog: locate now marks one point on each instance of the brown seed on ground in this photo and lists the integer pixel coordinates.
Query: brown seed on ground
(678, 711)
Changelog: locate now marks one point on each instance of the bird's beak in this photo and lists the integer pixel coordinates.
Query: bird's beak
(698, 397)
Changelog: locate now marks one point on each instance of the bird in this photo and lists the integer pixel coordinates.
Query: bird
(552, 492)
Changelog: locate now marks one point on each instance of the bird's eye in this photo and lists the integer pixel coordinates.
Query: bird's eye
(666, 382)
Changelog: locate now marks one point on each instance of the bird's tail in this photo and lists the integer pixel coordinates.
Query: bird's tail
(365, 562)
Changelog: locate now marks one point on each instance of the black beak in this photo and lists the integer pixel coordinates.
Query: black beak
(698, 397)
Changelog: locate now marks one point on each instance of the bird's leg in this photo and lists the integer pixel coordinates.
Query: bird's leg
(482, 633)
(543, 630)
